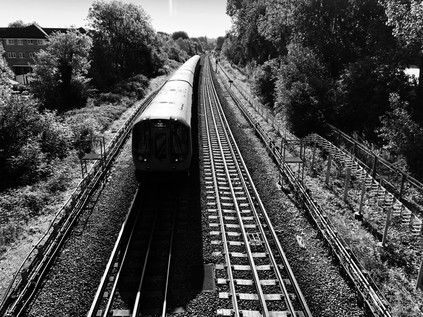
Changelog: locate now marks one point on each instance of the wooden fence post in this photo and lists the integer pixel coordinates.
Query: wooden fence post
(385, 232)
(347, 183)
(328, 170)
(363, 192)
(419, 283)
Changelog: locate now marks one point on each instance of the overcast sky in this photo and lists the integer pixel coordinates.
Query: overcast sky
(196, 17)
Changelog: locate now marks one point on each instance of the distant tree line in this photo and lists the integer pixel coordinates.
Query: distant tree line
(338, 62)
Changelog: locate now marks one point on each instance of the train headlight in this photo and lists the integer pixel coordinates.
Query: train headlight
(178, 159)
(142, 159)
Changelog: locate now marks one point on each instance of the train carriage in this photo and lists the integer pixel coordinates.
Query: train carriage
(161, 137)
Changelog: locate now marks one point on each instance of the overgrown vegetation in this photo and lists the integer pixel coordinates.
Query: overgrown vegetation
(321, 62)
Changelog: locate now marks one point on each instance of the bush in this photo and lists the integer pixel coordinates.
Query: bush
(56, 137)
(133, 87)
(84, 130)
(21, 158)
(264, 82)
(107, 98)
(29, 165)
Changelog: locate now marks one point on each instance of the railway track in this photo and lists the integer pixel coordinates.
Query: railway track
(254, 277)
(138, 277)
(368, 292)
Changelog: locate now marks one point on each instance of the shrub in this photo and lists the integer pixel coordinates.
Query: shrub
(134, 87)
(84, 130)
(264, 82)
(21, 157)
(29, 165)
(107, 98)
(56, 137)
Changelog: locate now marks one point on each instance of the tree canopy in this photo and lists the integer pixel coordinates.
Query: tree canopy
(329, 61)
(180, 34)
(59, 71)
(124, 42)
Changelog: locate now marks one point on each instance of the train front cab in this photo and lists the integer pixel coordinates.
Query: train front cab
(161, 146)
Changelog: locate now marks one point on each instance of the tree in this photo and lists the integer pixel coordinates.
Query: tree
(406, 19)
(302, 91)
(362, 94)
(124, 42)
(233, 50)
(402, 134)
(264, 84)
(219, 42)
(180, 34)
(6, 75)
(246, 16)
(59, 71)
(18, 24)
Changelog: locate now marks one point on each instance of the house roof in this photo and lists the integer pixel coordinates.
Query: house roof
(32, 31)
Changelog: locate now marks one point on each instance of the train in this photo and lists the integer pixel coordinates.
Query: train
(162, 135)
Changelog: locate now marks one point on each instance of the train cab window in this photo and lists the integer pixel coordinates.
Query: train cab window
(143, 133)
(160, 141)
(179, 139)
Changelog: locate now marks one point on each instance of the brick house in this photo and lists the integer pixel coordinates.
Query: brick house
(21, 44)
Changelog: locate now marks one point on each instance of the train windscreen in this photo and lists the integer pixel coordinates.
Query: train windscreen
(160, 142)
(143, 133)
(180, 140)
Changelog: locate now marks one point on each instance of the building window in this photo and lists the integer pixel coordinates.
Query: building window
(21, 54)
(10, 42)
(40, 42)
(31, 54)
(19, 42)
(11, 54)
(30, 42)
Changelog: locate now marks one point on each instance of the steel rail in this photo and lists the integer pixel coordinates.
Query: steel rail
(112, 259)
(273, 235)
(166, 286)
(121, 263)
(137, 306)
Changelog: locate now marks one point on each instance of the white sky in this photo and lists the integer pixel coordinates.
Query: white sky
(196, 17)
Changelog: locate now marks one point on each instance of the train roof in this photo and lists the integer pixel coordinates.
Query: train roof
(172, 102)
(186, 71)
(175, 98)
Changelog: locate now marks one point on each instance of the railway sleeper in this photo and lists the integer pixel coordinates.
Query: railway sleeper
(254, 313)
